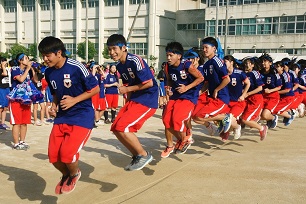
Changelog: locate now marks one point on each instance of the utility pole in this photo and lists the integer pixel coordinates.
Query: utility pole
(86, 41)
(132, 26)
(217, 19)
(226, 28)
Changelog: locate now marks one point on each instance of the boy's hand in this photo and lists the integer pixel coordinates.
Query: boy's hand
(52, 111)
(123, 89)
(181, 89)
(67, 102)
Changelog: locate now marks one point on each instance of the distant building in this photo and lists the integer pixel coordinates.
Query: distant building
(254, 26)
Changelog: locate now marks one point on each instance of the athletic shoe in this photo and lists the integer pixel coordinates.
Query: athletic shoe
(37, 123)
(19, 147)
(140, 161)
(25, 145)
(58, 187)
(1, 127)
(224, 135)
(45, 122)
(183, 147)
(301, 110)
(177, 145)
(294, 113)
(50, 120)
(211, 129)
(5, 126)
(107, 121)
(99, 123)
(129, 165)
(70, 183)
(189, 136)
(220, 127)
(289, 120)
(263, 133)
(274, 122)
(237, 132)
(167, 151)
(227, 122)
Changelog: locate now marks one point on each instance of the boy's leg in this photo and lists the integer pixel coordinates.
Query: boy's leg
(131, 142)
(15, 133)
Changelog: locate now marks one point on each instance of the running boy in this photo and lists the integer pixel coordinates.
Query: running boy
(142, 103)
(72, 87)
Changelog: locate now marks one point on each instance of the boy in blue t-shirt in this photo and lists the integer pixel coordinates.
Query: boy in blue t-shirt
(142, 101)
(72, 87)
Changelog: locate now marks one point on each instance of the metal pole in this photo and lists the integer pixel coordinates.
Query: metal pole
(132, 26)
(37, 30)
(217, 18)
(86, 41)
(226, 28)
(51, 18)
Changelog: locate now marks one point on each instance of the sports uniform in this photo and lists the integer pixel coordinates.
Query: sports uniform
(72, 127)
(142, 104)
(111, 93)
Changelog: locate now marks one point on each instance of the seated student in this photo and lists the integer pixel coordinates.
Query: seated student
(215, 106)
(182, 81)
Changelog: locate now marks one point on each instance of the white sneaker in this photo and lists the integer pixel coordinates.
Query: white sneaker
(237, 132)
(99, 123)
(211, 129)
(37, 123)
(301, 110)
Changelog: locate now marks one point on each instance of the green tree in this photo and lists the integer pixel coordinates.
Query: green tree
(81, 50)
(105, 53)
(33, 50)
(5, 55)
(16, 49)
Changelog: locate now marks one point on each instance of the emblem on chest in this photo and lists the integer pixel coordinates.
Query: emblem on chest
(67, 81)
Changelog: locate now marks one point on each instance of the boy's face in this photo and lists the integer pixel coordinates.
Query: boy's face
(52, 59)
(209, 51)
(266, 64)
(279, 69)
(173, 59)
(116, 52)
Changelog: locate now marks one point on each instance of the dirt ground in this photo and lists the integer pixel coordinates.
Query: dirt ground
(211, 171)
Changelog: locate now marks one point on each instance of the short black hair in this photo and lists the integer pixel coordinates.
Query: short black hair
(175, 47)
(211, 41)
(116, 40)
(51, 44)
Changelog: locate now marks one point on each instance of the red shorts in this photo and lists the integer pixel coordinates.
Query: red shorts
(209, 107)
(297, 100)
(175, 116)
(270, 101)
(284, 104)
(131, 117)
(95, 101)
(102, 104)
(304, 97)
(66, 141)
(111, 100)
(253, 108)
(237, 108)
(20, 114)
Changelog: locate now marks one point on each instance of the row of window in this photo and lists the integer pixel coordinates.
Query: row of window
(299, 51)
(252, 26)
(212, 3)
(10, 6)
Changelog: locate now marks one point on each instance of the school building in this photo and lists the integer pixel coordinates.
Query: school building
(244, 26)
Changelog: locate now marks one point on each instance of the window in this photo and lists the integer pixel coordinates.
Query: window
(181, 26)
(287, 24)
(138, 48)
(113, 2)
(45, 4)
(264, 25)
(67, 4)
(10, 6)
(71, 47)
(27, 5)
(91, 3)
(137, 1)
(211, 28)
(301, 24)
(194, 26)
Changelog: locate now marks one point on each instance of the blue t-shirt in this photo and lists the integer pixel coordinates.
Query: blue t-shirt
(136, 71)
(72, 79)
(271, 80)
(110, 79)
(215, 71)
(286, 84)
(236, 84)
(101, 82)
(294, 79)
(180, 75)
(16, 71)
(255, 79)
(302, 81)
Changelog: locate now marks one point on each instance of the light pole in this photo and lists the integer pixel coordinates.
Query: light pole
(86, 41)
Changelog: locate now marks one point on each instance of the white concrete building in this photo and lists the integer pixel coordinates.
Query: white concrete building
(253, 25)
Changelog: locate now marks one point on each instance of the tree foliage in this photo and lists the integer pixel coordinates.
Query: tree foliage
(81, 50)
(105, 53)
(16, 49)
(33, 50)
(5, 55)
